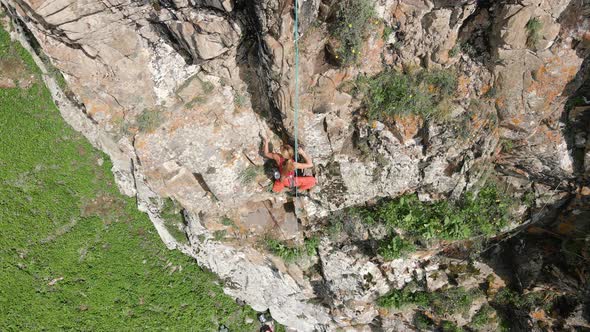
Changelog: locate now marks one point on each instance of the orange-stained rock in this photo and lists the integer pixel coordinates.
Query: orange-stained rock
(408, 126)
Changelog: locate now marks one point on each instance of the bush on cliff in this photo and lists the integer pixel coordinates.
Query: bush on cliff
(533, 28)
(391, 93)
(289, 252)
(441, 302)
(350, 27)
(483, 214)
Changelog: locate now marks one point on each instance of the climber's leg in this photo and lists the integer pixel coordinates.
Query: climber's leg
(278, 186)
(305, 182)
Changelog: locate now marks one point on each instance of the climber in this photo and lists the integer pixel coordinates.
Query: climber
(266, 328)
(287, 168)
(267, 323)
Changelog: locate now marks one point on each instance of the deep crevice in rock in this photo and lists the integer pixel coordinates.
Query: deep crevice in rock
(173, 41)
(474, 36)
(201, 180)
(254, 55)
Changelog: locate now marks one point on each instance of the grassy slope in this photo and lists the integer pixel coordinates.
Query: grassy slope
(61, 216)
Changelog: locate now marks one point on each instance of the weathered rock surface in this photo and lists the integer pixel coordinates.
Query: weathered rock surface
(177, 92)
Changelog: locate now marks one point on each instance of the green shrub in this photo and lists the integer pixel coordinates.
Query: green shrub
(453, 300)
(533, 28)
(290, 253)
(387, 31)
(156, 5)
(510, 304)
(486, 213)
(311, 246)
(395, 248)
(249, 174)
(170, 210)
(227, 221)
(449, 301)
(53, 71)
(448, 326)
(219, 235)
(392, 93)
(350, 28)
(335, 228)
(399, 298)
(171, 213)
(441, 82)
(529, 198)
(240, 99)
(207, 86)
(149, 120)
(491, 93)
(422, 322)
(484, 316)
(469, 49)
(453, 52)
(523, 302)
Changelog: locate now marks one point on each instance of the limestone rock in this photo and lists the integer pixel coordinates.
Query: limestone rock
(353, 282)
(205, 35)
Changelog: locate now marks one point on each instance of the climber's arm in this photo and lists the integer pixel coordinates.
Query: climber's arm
(267, 153)
(308, 162)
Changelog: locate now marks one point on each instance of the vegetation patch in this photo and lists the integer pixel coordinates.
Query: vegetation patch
(514, 307)
(483, 214)
(453, 300)
(400, 298)
(470, 50)
(485, 316)
(533, 28)
(521, 302)
(240, 99)
(392, 93)
(422, 321)
(250, 173)
(395, 247)
(219, 235)
(174, 222)
(290, 253)
(448, 326)
(350, 28)
(529, 199)
(16, 68)
(62, 267)
(226, 221)
(207, 86)
(441, 302)
(335, 228)
(387, 31)
(149, 120)
(453, 52)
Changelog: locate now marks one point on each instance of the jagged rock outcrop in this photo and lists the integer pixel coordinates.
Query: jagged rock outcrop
(178, 91)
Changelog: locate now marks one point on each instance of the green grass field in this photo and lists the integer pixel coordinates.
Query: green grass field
(74, 253)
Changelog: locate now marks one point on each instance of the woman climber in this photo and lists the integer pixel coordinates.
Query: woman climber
(287, 168)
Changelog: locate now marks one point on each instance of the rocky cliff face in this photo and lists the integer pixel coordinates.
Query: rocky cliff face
(177, 92)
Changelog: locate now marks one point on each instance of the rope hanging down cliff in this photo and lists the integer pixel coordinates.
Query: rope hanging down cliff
(288, 158)
(296, 96)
